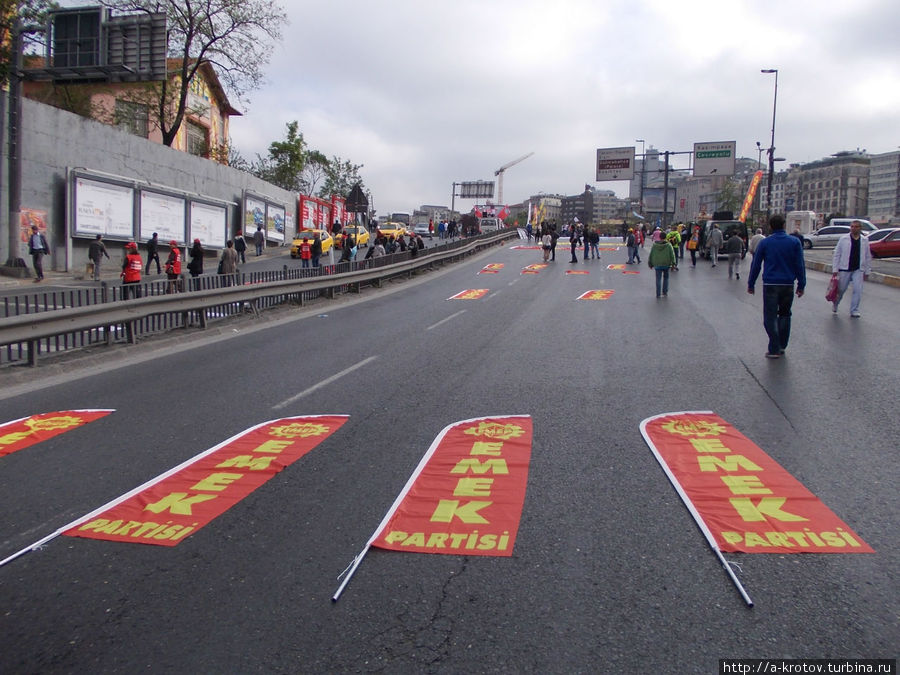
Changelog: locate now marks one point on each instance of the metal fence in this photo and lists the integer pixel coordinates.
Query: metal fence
(187, 314)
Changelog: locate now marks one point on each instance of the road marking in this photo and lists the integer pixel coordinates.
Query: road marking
(323, 383)
(446, 319)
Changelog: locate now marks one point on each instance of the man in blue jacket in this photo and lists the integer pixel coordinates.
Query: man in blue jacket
(783, 256)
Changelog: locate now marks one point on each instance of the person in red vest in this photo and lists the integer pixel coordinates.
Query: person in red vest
(132, 266)
(173, 267)
(305, 252)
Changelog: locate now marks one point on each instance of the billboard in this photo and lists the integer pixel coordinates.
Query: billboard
(615, 164)
(653, 200)
(714, 159)
(478, 189)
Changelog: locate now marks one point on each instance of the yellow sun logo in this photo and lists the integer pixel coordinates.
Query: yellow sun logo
(693, 427)
(53, 423)
(501, 432)
(299, 430)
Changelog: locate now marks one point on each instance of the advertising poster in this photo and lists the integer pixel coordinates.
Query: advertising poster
(103, 208)
(208, 224)
(275, 222)
(254, 215)
(163, 214)
(29, 217)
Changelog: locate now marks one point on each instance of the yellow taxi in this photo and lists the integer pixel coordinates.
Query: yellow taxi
(324, 235)
(359, 233)
(390, 229)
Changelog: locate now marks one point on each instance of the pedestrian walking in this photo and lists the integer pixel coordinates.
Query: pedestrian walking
(173, 268)
(546, 243)
(574, 241)
(661, 259)
(131, 272)
(754, 241)
(228, 261)
(780, 256)
(714, 243)
(316, 249)
(693, 244)
(852, 260)
(153, 253)
(734, 247)
(259, 238)
(240, 247)
(630, 245)
(38, 248)
(195, 266)
(96, 251)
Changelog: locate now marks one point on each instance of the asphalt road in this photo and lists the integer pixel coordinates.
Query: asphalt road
(609, 572)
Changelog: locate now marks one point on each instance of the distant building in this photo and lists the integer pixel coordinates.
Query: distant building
(131, 106)
(836, 184)
(884, 188)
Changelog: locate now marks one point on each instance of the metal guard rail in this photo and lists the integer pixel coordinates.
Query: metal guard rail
(30, 328)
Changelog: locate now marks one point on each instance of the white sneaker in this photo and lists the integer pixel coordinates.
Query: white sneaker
(854, 315)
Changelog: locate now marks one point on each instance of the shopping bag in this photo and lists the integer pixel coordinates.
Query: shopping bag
(832, 292)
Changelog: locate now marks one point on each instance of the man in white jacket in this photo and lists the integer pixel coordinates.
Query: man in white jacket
(852, 261)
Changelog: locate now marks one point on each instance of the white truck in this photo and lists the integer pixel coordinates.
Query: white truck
(803, 221)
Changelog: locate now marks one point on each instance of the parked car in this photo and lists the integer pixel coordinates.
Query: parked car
(358, 232)
(324, 235)
(885, 243)
(825, 236)
(392, 229)
(422, 230)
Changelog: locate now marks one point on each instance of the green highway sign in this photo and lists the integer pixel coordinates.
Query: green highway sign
(713, 153)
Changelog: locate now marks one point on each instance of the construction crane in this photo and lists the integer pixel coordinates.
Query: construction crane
(499, 173)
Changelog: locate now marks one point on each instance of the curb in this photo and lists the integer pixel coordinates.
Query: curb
(874, 277)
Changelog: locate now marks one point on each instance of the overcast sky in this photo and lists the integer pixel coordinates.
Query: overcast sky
(427, 93)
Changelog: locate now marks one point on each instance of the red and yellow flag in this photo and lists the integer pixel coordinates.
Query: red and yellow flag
(466, 495)
(744, 499)
(470, 294)
(27, 431)
(170, 507)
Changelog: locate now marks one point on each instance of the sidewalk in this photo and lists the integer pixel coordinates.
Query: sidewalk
(110, 270)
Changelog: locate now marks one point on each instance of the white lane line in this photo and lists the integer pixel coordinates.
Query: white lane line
(492, 295)
(323, 383)
(445, 320)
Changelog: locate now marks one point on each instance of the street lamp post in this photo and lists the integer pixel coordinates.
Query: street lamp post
(643, 165)
(771, 149)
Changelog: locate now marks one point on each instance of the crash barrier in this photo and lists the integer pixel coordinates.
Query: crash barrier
(52, 322)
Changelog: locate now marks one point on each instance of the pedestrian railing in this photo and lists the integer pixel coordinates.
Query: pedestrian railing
(51, 322)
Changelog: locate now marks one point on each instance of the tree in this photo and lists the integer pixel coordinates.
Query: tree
(340, 178)
(316, 169)
(29, 13)
(233, 36)
(285, 162)
(729, 198)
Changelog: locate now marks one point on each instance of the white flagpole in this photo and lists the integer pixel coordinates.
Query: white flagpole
(711, 540)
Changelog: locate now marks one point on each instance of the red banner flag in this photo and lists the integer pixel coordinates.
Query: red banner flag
(167, 509)
(751, 194)
(466, 495)
(743, 499)
(27, 431)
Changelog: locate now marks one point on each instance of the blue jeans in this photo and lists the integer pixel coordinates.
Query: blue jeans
(662, 275)
(777, 301)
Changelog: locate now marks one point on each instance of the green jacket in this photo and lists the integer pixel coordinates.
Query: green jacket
(661, 255)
